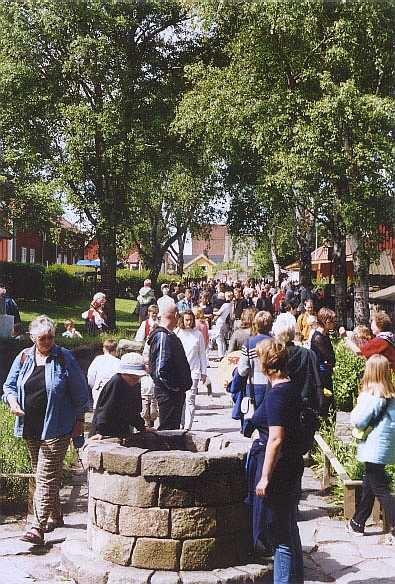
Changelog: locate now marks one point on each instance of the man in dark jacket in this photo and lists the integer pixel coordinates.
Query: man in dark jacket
(169, 369)
(8, 305)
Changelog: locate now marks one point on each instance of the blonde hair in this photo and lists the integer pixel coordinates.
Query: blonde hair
(198, 312)
(262, 323)
(376, 379)
(247, 317)
(273, 357)
(361, 334)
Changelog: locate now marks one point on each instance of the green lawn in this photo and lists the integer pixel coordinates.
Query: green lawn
(126, 321)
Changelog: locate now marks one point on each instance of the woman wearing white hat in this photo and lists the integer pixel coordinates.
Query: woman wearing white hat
(119, 406)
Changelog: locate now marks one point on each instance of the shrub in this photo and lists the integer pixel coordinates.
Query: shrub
(62, 283)
(23, 280)
(129, 282)
(14, 457)
(347, 376)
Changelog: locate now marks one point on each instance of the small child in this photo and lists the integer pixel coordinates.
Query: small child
(375, 414)
(71, 332)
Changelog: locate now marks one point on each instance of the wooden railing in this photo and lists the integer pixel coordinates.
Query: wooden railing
(351, 488)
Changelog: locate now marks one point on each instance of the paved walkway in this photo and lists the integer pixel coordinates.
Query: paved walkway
(331, 555)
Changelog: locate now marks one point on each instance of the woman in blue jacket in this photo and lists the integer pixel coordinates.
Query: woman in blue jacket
(47, 392)
(374, 417)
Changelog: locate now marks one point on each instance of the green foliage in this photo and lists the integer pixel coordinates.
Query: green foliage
(13, 456)
(347, 376)
(346, 455)
(24, 280)
(195, 273)
(129, 282)
(62, 284)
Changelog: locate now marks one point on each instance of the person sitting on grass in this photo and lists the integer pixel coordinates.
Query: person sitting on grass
(71, 332)
(118, 409)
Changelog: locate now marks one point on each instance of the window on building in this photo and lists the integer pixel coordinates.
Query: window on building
(23, 255)
(32, 255)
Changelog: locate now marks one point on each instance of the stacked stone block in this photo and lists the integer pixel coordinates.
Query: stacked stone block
(168, 509)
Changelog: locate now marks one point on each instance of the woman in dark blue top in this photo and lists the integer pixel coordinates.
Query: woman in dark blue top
(275, 467)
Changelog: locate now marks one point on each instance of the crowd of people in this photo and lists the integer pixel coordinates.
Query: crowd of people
(278, 344)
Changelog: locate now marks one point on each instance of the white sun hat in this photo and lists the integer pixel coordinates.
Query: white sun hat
(132, 364)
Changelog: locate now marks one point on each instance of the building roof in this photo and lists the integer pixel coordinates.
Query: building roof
(216, 259)
(196, 258)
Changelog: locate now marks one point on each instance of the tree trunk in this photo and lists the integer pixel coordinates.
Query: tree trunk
(180, 262)
(305, 241)
(361, 291)
(276, 265)
(340, 275)
(154, 264)
(108, 269)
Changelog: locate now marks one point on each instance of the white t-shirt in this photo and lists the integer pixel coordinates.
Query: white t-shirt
(100, 371)
(165, 302)
(193, 342)
(223, 314)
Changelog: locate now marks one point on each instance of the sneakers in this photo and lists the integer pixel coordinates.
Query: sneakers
(354, 528)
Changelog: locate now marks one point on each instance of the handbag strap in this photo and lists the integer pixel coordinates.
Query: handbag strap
(251, 374)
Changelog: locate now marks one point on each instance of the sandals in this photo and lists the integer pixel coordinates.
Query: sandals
(53, 524)
(34, 535)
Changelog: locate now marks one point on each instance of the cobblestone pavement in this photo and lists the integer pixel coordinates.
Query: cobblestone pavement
(331, 555)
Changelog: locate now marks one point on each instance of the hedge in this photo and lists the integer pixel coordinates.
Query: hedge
(23, 280)
(129, 282)
(63, 282)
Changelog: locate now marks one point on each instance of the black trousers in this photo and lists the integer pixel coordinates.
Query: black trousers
(375, 484)
(170, 404)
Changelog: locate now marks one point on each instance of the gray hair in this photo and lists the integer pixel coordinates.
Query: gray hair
(283, 331)
(98, 296)
(42, 325)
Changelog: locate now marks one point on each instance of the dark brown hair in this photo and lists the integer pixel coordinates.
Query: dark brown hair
(181, 324)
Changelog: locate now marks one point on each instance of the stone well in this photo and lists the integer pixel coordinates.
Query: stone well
(168, 501)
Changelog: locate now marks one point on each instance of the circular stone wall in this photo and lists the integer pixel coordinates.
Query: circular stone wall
(168, 501)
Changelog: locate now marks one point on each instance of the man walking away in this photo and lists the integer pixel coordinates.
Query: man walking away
(169, 369)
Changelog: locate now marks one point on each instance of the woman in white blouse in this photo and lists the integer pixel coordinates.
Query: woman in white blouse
(195, 350)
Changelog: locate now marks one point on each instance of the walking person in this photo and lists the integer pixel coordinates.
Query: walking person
(169, 368)
(145, 298)
(220, 328)
(275, 467)
(47, 392)
(374, 417)
(321, 345)
(195, 351)
(147, 326)
(102, 368)
(248, 378)
(165, 299)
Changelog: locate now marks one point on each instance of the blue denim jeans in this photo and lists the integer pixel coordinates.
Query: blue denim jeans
(288, 555)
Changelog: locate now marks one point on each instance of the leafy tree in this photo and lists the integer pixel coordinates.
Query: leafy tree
(299, 104)
(103, 78)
